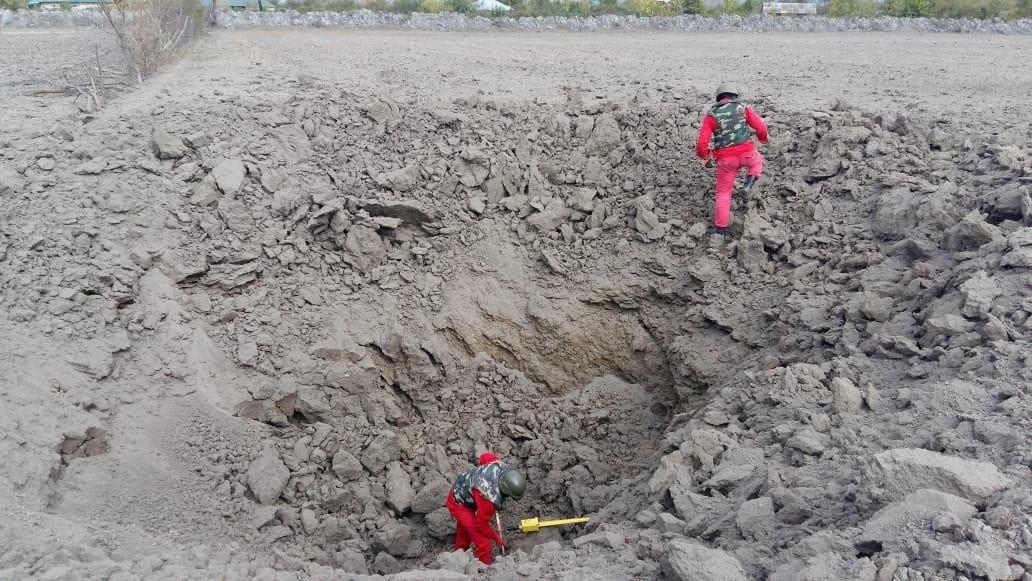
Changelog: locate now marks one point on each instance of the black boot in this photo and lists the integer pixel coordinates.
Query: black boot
(750, 181)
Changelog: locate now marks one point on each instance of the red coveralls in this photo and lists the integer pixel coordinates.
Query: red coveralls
(730, 160)
(474, 526)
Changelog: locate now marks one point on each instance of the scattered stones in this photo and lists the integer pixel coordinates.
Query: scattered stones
(456, 561)
(755, 519)
(264, 410)
(905, 470)
(876, 308)
(180, 266)
(197, 140)
(550, 218)
(267, 476)
(346, 466)
(93, 443)
(236, 215)
(394, 538)
(690, 561)
(979, 292)
(205, 193)
(431, 497)
(365, 249)
(949, 324)
(971, 233)
(229, 176)
(751, 255)
(247, 353)
(985, 561)
(440, 523)
(472, 167)
(93, 167)
(383, 449)
(605, 136)
(95, 362)
(898, 523)
(10, 181)
(399, 488)
(167, 146)
(401, 180)
(847, 397)
(896, 214)
(809, 441)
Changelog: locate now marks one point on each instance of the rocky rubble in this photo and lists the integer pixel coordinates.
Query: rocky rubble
(462, 22)
(365, 293)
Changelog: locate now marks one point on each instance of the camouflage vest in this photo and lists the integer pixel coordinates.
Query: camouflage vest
(483, 478)
(732, 128)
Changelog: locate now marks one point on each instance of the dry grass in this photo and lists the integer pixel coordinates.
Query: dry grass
(151, 32)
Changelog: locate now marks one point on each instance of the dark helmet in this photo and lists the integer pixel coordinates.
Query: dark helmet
(513, 484)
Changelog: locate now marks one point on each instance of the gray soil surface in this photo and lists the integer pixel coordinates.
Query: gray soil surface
(933, 74)
(258, 313)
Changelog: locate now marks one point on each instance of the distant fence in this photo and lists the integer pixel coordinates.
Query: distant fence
(796, 8)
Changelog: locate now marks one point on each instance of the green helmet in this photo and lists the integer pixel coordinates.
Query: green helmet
(513, 484)
(726, 88)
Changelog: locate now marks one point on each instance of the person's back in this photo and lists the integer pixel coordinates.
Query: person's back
(732, 126)
(726, 134)
(485, 479)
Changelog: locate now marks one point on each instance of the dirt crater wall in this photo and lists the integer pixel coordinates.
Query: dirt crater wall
(301, 259)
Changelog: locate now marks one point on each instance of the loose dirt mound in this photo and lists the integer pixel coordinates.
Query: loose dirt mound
(258, 338)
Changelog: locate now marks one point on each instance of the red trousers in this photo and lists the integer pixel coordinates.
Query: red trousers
(727, 170)
(467, 531)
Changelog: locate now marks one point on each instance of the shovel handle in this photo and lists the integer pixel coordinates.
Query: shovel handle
(498, 523)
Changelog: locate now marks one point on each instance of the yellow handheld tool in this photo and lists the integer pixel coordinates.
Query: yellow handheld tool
(533, 525)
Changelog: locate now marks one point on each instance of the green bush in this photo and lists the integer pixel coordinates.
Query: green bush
(12, 4)
(522, 8)
(971, 9)
(406, 6)
(460, 6)
(694, 7)
(985, 9)
(848, 8)
(735, 7)
(911, 8)
(611, 7)
(327, 6)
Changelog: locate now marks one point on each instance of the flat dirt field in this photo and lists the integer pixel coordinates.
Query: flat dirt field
(257, 314)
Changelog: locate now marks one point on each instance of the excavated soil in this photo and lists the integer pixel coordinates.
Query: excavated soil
(259, 312)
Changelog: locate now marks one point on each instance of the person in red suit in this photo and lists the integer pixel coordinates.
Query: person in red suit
(473, 500)
(728, 129)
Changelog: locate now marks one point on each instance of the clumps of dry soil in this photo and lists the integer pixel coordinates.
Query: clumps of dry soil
(279, 326)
